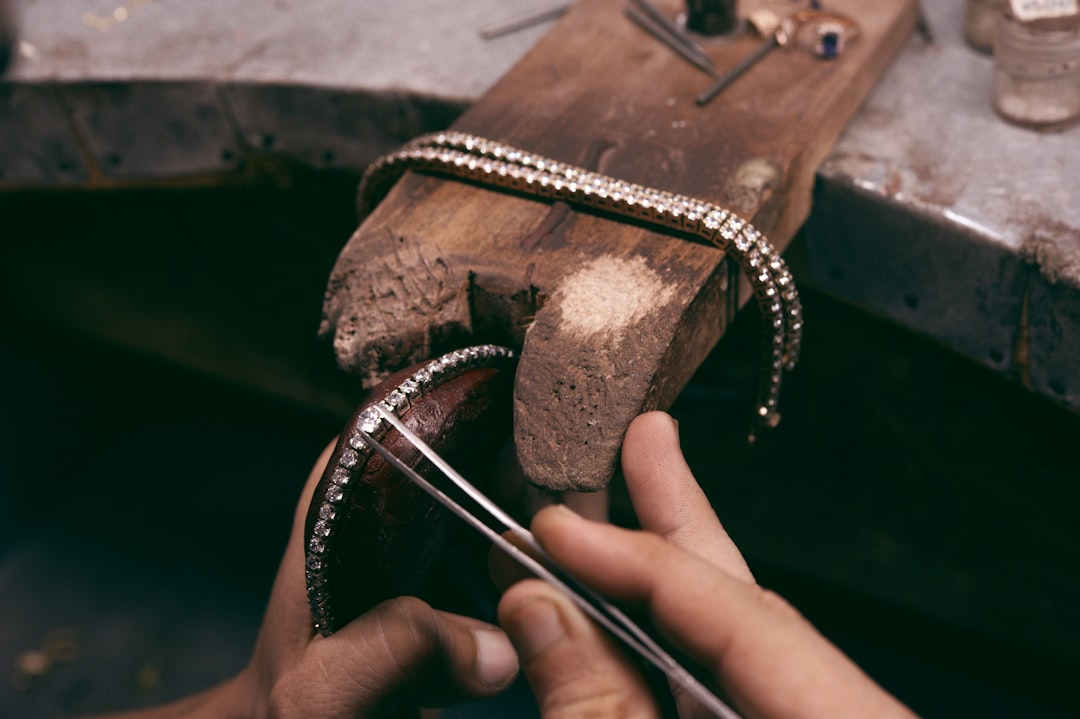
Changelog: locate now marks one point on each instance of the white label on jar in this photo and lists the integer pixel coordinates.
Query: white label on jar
(1035, 9)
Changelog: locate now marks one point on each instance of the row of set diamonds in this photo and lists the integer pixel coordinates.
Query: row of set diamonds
(352, 460)
(492, 163)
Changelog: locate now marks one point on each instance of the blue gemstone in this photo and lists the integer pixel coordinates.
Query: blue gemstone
(830, 45)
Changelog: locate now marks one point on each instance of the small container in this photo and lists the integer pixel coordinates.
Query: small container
(712, 17)
(1037, 63)
(979, 21)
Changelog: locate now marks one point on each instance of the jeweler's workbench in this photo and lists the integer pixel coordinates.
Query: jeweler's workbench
(930, 211)
(980, 249)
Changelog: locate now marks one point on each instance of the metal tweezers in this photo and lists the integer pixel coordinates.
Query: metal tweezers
(540, 563)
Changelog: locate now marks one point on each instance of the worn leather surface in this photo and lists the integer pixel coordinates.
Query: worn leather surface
(392, 534)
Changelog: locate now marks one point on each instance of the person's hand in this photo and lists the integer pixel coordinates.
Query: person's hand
(399, 655)
(685, 570)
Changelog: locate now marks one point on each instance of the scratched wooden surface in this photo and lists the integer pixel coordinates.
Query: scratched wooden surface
(617, 317)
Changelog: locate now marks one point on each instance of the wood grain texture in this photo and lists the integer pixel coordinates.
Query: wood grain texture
(613, 318)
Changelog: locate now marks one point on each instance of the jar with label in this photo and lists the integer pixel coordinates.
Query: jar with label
(1037, 62)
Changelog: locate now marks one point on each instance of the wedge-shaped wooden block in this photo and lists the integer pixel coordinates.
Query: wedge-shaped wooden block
(613, 318)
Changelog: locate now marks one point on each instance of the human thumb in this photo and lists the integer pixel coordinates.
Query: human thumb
(398, 655)
(574, 669)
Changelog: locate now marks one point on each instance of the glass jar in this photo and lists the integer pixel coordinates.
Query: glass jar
(1037, 63)
(979, 21)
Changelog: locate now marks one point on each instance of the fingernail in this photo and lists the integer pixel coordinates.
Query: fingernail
(675, 424)
(496, 660)
(536, 626)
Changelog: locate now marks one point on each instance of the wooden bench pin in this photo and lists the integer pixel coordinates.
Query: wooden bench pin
(612, 313)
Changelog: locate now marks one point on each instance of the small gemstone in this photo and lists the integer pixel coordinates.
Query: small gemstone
(334, 494)
(314, 563)
(423, 377)
(326, 512)
(830, 45)
(316, 545)
(370, 420)
(349, 458)
(397, 400)
(321, 528)
(357, 442)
